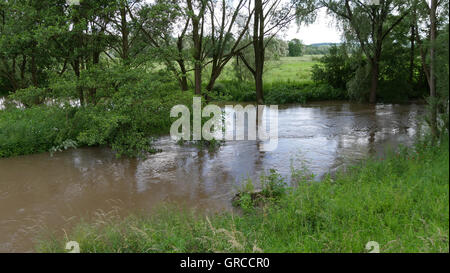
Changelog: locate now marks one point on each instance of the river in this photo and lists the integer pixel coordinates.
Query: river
(43, 192)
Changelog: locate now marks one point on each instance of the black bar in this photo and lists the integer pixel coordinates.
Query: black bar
(223, 262)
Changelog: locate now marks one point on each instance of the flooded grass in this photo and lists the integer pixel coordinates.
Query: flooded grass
(401, 202)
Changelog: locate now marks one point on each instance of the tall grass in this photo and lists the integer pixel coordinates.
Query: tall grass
(401, 202)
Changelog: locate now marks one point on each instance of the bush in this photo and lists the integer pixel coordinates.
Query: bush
(233, 91)
(300, 92)
(30, 96)
(336, 67)
(281, 92)
(358, 88)
(273, 188)
(34, 130)
(124, 119)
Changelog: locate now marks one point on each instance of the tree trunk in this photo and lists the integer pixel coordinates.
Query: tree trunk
(93, 90)
(198, 78)
(183, 78)
(23, 66)
(125, 34)
(34, 71)
(432, 81)
(412, 55)
(215, 73)
(258, 45)
(374, 81)
(259, 88)
(197, 40)
(76, 69)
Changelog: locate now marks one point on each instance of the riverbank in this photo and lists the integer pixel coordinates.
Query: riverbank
(126, 115)
(400, 201)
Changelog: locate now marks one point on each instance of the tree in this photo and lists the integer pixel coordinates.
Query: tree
(163, 26)
(369, 24)
(269, 18)
(196, 10)
(275, 49)
(295, 48)
(24, 55)
(224, 19)
(433, 14)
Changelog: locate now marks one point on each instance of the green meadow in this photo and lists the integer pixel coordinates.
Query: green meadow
(291, 69)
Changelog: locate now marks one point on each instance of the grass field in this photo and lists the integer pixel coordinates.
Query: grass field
(291, 69)
(401, 202)
(294, 69)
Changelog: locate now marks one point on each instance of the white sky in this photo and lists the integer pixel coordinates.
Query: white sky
(321, 31)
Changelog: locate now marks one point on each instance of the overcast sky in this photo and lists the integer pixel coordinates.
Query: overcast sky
(321, 31)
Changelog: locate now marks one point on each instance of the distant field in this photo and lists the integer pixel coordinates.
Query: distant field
(291, 68)
(296, 69)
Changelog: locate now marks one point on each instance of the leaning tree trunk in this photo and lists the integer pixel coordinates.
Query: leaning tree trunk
(215, 73)
(183, 78)
(212, 80)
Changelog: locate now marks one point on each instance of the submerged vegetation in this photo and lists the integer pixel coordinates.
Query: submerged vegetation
(400, 201)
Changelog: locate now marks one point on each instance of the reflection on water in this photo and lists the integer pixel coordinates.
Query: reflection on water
(55, 192)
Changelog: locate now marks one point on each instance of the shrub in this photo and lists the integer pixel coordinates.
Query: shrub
(336, 67)
(359, 86)
(300, 92)
(30, 96)
(273, 185)
(34, 130)
(124, 118)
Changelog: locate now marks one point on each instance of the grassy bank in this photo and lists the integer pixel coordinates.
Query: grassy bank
(401, 202)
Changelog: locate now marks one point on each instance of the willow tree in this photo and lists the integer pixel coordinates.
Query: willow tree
(229, 23)
(196, 10)
(431, 19)
(369, 23)
(269, 18)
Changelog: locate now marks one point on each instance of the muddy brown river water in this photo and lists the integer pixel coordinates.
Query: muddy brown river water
(43, 192)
